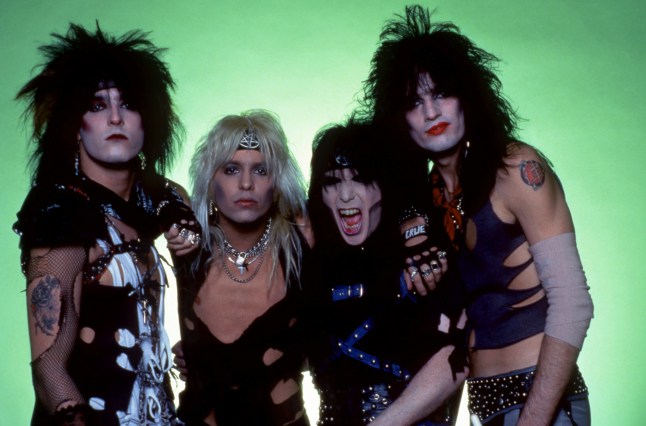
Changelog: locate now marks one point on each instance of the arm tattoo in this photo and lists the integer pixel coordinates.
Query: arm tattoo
(532, 173)
(46, 304)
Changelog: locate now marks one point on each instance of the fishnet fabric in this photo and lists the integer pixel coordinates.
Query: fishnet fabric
(52, 381)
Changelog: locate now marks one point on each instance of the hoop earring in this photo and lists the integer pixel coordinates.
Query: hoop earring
(213, 212)
(142, 160)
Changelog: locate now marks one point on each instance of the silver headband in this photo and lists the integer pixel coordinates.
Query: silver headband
(249, 140)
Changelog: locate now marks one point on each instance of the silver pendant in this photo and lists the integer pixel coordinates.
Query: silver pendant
(240, 264)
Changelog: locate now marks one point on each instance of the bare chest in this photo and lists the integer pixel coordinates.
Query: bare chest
(228, 307)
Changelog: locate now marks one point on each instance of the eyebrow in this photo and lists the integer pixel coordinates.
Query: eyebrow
(233, 162)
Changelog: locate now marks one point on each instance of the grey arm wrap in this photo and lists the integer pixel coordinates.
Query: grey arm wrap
(561, 273)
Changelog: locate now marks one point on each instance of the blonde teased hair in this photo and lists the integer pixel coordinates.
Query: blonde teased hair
(217, 148)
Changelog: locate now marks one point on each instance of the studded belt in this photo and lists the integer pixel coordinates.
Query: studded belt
(362, 405)
(489, 396)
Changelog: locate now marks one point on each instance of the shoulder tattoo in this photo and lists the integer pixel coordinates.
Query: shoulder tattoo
(46, 304)
(532, 173)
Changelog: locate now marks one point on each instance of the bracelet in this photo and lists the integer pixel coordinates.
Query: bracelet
(409, 213)
(414, 232)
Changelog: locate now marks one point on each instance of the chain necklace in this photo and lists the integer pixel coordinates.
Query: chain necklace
(245, 258)
(250, 277)
(260, 246)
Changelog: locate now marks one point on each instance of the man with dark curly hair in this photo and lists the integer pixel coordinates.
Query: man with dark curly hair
(104, 129)
(503, 208)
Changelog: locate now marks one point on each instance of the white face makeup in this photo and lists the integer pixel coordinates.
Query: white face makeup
(436, 121)
(243, 189)
(354, 204)
(111, 133)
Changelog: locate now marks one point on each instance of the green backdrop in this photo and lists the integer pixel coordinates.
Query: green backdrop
(573, 69)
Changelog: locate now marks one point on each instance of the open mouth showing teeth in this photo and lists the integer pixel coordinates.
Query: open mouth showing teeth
(350, 220)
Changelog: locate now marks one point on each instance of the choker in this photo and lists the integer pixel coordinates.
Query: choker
(242, 259)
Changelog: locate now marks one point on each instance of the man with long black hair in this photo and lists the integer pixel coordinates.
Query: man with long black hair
(504, 210)
(104, 129)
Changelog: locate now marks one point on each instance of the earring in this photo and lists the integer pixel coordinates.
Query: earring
(213, 211)
(466, 148)
(77, 158)
(142, 160)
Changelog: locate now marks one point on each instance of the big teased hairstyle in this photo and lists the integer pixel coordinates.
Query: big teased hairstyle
(79, 63)
(410, 46)
(218, 147)
(358, 143)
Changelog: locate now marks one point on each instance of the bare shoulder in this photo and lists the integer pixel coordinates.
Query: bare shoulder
(520, 150)
(525, 167)
(529, 190)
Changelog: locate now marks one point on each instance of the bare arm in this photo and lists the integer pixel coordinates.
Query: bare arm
(532, 193)
(555, 366)
(428, 389)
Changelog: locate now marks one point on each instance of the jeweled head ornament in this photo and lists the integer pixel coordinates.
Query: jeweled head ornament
(342, 160)
(249, 140)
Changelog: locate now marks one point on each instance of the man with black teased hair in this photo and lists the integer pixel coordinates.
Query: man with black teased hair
(104, 130)
(504, 210)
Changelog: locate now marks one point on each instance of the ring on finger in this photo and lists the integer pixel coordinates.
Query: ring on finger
(435, 265)
(413, 273)
(426, 272)
(194, 239)
(183, 233)
(441, 254)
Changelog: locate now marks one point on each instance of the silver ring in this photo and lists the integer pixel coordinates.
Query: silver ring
(194, 239)
(413, 273)
(425, 273)
(441, 254)
(435, 265)
(183, 233)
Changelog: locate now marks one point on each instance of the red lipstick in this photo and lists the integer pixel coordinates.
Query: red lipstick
(438, 129)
